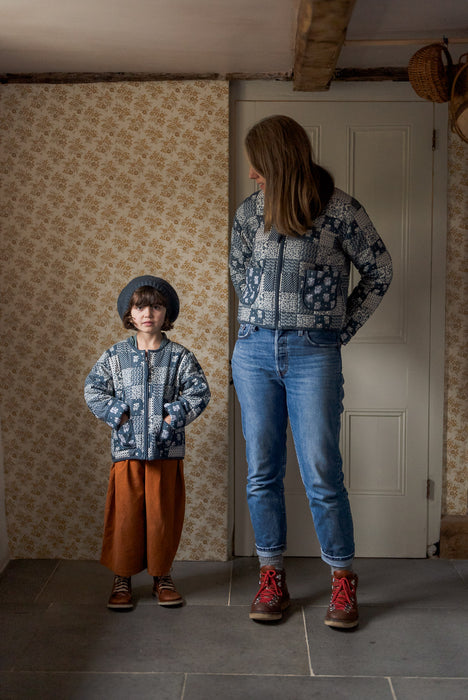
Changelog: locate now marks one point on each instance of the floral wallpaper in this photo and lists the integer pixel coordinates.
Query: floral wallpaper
(455, 492)
(100, 183)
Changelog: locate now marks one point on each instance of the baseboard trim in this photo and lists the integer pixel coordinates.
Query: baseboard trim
(454, 537)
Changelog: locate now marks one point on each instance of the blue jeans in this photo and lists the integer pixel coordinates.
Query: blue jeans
(295, 374)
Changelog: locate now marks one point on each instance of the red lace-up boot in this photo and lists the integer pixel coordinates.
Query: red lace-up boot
(343, 609)
(272, 597)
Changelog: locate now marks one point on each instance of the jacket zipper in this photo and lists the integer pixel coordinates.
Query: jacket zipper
(146, 404)
(279, 270)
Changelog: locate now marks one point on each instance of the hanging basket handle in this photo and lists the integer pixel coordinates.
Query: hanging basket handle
(429, 76)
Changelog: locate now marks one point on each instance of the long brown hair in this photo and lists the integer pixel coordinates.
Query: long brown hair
(297, 189)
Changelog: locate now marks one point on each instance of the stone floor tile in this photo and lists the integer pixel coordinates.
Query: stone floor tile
(23, 579)
(18, 625)
(430, 688)
(188, 639)
(390, 642)
(461, 567)
(91, 686)
(202, 687)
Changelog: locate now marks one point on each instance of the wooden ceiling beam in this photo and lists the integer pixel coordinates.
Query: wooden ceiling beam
(320, 35)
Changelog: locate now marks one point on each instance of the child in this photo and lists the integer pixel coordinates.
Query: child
(147, 388)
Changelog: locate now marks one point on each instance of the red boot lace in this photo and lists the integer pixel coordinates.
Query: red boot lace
(268, 587)
(343, 593)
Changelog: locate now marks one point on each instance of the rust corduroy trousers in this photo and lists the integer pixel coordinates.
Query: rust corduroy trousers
(144, 516)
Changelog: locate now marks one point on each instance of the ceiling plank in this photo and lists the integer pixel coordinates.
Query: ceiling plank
(341, 74)
(372, 74)
(321, 32)
(60, 78)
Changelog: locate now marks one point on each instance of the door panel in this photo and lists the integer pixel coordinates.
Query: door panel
(381, 153)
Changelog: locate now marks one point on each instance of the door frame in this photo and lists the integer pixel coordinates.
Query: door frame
(382, 92)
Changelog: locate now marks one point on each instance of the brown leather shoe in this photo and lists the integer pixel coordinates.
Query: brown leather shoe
(343, 609)
(272, 596)
(165, 591)
(121, 596)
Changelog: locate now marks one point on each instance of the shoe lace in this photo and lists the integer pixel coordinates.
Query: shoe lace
(343, 593)
(268, 587)
(121, 584)
(165, 583)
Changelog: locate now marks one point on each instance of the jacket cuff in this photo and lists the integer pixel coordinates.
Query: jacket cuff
(115, 414)
(345, 337)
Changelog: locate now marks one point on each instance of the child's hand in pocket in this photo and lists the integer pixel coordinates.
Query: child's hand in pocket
(125, 417)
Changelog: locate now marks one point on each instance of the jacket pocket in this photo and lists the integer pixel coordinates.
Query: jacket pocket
(166, 433)
(320, 288)
(252, 284)
(125, 436)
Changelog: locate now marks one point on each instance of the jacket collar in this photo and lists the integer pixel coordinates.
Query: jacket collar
(133, 342)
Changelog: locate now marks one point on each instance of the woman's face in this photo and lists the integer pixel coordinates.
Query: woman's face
(259, 179)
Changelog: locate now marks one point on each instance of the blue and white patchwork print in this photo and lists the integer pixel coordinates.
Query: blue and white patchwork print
(301, 282)
(148, 386)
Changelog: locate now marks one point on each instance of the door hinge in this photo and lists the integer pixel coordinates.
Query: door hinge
(434, 139)
(430, 488)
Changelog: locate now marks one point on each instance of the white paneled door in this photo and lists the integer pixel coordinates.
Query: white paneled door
(381, 152)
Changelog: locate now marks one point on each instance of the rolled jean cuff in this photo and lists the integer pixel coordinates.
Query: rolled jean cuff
(336, 562)
(273, 552)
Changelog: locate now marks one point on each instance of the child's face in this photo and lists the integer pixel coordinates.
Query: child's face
(149, 319)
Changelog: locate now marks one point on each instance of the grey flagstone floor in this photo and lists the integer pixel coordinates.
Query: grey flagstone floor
(58, 639)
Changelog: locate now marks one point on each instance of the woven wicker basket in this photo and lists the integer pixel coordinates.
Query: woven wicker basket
(429, 74)
(459, 99)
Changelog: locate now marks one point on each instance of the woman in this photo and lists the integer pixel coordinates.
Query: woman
(292, 244)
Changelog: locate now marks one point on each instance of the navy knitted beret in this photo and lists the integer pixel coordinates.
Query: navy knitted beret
(149, 281)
